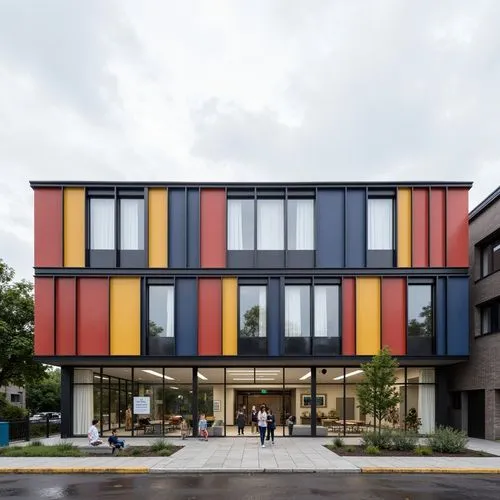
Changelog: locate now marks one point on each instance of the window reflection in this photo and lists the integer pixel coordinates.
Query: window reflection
(420, 315)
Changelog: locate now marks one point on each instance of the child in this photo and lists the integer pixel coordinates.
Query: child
(290, 422)
(184, 428)
(93, 434)
(240, 421)
(115, 442)
(203, 428)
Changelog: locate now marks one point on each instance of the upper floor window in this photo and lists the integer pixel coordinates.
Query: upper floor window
(240, 225)
(102, 224)
(490, 258)
(253, 320)
(131, 224)
(326, 311)
(420, 320)
(490, 318)
(300, 224)
(270, 225)
(161, 329)
(380, 223)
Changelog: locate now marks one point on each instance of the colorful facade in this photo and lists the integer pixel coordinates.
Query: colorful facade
(236, 278)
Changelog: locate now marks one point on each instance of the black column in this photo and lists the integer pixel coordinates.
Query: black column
(66, 401)
(194, 402)
(313, 401)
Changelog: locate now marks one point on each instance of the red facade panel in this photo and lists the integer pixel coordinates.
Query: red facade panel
(349, 317)
(213, 228)
(420, 227)
(48, 227)
(92, 317)
(66, 316)
(44, 316)
(437, 227)
(457, 228)
(209, 317)
(394, 315)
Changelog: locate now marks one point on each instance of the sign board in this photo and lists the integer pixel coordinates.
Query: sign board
(142, 406)
(263, 391)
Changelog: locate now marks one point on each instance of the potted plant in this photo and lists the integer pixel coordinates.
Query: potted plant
(412, 421)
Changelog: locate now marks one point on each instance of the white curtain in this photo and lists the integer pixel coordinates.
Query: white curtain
(292, 312)
(426, 401)
(270, 225)
(130, 213)
(262, 311)
(320, 312)
(83, 401)
(303, 239)
(380, 224)
(102, 224)
(235, 225)
(170, 312)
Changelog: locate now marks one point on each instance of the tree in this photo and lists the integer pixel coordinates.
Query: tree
(16, 331)
(251, 320)
(377, 395)
(155, 330)
(45, 395)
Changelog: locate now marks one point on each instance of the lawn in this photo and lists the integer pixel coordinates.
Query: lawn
(360, 451)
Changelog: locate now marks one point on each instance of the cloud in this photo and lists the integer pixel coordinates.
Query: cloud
(226, 90)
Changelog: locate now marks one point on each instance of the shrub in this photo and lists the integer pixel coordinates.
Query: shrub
(372, 450)
(160, 444)
(404, 441)
(58, 450)
(382, 441)
(338, 442)
(36, 443)
(135, 452)
(413, 421)
(423, 451)
(349, 449)
(447, 440)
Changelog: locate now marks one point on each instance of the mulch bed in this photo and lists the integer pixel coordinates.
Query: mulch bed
(137, 451)
(359, 451)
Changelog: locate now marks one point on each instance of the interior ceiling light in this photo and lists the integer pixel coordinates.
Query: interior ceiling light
(201, 376)
(174, 388)
(355, 372)
(157, 374)
(305, 377)
(263, 379)
(242, 379)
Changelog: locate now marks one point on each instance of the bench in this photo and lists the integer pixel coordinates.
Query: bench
(103, 449)
(305, 430)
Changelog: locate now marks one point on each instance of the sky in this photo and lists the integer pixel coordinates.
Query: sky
(243, 91)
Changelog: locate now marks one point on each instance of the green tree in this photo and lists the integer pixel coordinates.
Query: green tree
(251, 322)
(45, 395)
(16, 331)
(377, 394)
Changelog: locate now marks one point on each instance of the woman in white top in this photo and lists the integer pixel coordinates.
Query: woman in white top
(262, 423)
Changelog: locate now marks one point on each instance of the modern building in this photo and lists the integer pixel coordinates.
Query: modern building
(475, 386)
(181, 299)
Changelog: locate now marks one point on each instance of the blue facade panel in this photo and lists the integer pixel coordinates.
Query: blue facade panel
(177, 228)
(273, 318)
(330, 228)
(441, 317)
(186, 317)
(458, 316)
(193, 227)
(355, 228)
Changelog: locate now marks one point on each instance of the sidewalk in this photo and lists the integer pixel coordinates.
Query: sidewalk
(244, 455)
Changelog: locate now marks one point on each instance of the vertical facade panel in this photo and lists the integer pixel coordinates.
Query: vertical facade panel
(213, 228)
(420, 227)
(44, 317)
(458, 316)
(209, 317)
(186, 317)
(177, 228)
(193, 228)
(440, 322)
(92, 331)
(74, 227)
(394, 315)
(356, 228)
(367, 316)
(66, 317)
(229, 316)
(437, 227)
(457, 228)
(157, 231)
(404, 227)
(330, 230)
(125, 317)
(273, 318)
(48, 227)
(349, 317)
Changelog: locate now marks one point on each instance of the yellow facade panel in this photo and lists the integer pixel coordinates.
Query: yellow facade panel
(229, 317)
(157, 231)
(367, 316)
(404, 227)
(74, 227)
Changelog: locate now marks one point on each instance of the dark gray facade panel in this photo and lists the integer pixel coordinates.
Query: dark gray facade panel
(240, 259)
(193, 228)
(330, 231)
(356, 228)
(186, 317)
(177, 228)
(300, 259)
(273, 317)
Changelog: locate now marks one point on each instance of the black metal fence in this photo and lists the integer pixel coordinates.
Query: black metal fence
(24, 430)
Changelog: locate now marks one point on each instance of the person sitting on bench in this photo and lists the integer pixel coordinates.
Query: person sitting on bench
(114, 442)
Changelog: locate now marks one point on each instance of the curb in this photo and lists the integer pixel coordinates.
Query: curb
(430, 470)
(154, 470)
(74, 470)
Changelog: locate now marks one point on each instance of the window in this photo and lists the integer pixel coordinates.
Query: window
(253, 320)
(297, 311)
(240, 225)
(380, 224)
(15, 398)
(270, 225)
(326, 311)
(161, 333)
(300, 224)
(102, 224)
(490, 258)
(420, 320)
(131, 224)
(490, 318)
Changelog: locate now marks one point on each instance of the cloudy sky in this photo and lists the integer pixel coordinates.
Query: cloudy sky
(243, 90)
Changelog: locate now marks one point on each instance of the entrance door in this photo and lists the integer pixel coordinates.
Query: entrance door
(278, 401)
(476, 414)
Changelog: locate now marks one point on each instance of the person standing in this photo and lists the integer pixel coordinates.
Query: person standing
(128, 419)
(290, 422)
(254, 420)
(262, 424)
(271, 425)
(184, 428)
(203, 428)
(240, 422)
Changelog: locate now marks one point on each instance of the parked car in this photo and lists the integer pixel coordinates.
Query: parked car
(54, 417)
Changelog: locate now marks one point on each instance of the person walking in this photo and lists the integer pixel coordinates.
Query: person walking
(240, 422)
(262, 424)
(271, 425)
(254, 420)
(290, 422)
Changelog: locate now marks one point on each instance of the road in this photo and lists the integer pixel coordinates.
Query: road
(251, 487)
